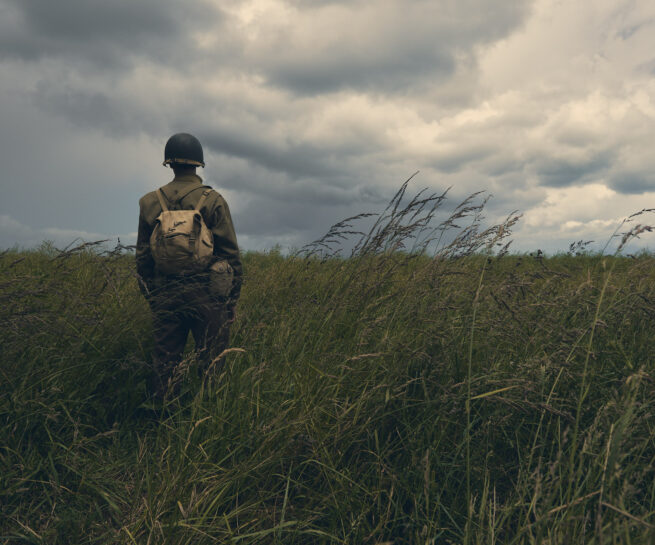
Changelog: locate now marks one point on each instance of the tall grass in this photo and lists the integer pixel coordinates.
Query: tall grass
(427, 388)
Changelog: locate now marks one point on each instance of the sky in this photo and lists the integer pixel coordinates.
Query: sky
(310, 111)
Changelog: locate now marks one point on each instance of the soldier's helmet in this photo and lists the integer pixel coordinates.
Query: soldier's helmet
(183, 148)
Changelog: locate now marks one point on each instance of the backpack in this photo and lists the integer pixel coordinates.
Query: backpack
(181, 242)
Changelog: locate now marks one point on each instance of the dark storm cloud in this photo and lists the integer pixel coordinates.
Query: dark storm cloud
(387, 47)
(263, 216)
(250, 181)
(86, 109)
(454, 160)
(99, 33)
(108, 112)
(394, 73)
(554, 172)
(631, 182)
(300, 222)
(299, 159)
(95, 45)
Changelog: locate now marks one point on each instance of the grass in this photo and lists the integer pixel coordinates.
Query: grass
(427, 388)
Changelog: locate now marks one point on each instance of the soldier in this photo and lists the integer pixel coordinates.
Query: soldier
(188, 263)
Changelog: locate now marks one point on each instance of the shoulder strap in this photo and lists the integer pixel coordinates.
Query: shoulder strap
(178, 200)
(187, 192)
(161, 201)
(201, 201)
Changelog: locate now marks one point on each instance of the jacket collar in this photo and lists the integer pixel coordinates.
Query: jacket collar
(180, 186)
(187, 178)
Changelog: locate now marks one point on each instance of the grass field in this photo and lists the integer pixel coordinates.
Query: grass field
(453, 393)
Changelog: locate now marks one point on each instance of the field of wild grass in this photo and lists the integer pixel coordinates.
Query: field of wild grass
(443, 391)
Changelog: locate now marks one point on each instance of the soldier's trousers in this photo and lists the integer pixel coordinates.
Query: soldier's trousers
(177, 310)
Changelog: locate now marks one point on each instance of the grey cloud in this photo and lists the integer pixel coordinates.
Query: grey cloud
(411, 42)
(233, 134)
(249, 181)
(410, 49)
(556, 172)
(461, 157)
(88, 109)
(632, 182)
(55, 175)
(500, 164)
(267, 204)
(299, 159)
(349, 70)
(301, 222)
(329, 159)
(263, 216)
(111, 112)
(100, 33)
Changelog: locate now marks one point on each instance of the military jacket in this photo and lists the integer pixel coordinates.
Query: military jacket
(183, 193)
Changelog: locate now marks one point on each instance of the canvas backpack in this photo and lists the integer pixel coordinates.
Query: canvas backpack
(181, 242)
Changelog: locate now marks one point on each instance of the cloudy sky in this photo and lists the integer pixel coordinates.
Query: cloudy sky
(313, 110)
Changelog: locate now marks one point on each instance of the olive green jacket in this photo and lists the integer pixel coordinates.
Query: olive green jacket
(183, 193)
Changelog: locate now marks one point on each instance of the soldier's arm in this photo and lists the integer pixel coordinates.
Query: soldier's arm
(145, 265)
(225, 244)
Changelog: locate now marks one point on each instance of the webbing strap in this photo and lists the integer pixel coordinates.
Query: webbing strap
(161, 201)
(185, 193)
(192, 241)
(201, 200)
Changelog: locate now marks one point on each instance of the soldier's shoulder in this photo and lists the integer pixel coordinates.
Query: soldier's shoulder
(209, 187)
(214, 195)
(149, 207)
(148, 199)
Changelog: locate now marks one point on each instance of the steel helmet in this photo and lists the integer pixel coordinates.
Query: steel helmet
(183, 148)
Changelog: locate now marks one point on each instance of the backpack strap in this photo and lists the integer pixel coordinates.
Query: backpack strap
(161, 201)
(183, 194)
(180, 197)
(201, 200)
